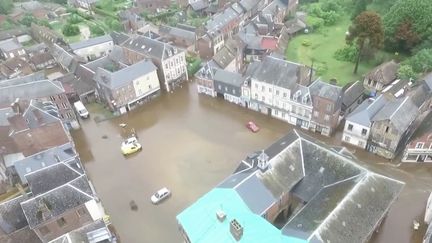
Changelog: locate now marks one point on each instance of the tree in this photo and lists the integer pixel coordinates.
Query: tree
(360, 6)
(406, 37)
(421, 62)
(417, 11)
(406, 72)
(96, 30)
(28, 19)
(70, 30)
(366, 30)
(6, 6)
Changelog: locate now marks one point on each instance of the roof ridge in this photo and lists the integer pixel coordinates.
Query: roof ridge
(403, 102)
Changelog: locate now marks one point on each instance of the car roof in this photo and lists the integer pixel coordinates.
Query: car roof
(162, 190)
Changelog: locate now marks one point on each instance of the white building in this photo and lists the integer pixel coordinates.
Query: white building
(359, 122)
(93, 48)
(127, 86)
(276, 90)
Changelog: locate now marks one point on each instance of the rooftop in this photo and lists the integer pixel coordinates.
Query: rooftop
(151, 47)
(120, 77)
(9, 45)
(385, 73)
(329, 182)
(90, 42)
(53, 203)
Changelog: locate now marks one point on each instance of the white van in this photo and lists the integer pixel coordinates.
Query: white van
(80, 108)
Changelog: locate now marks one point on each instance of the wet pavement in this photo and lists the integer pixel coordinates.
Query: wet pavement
(190, 143)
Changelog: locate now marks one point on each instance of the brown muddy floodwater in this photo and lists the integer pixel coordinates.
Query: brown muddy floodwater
(190, 143)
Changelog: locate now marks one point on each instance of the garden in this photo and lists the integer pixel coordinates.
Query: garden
(333, 44)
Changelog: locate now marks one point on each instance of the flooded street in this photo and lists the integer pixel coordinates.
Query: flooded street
(190, 143)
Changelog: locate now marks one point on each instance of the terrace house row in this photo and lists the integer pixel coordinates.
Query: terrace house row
(282, 90)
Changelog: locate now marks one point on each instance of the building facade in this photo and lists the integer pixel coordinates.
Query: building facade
(93, 48)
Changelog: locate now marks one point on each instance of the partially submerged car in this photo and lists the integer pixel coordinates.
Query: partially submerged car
(130, 146)
(252, 126)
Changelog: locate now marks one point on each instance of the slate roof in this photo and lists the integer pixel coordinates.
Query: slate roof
(124, 76)
(420, 93)
(50, 177)
(223, 57)
(227, 77)
(90, 42)
(177, 32)
(199, 5)
(58, 201)
(41, 58)
(38, 114)
(9, 45)
(20, 88)
(352, 92)
(326, 90)
(8, 34)
(385, 73)
(42, 159)
(220, 20)
(366, 111)
(12, 216)
(400, 112)
(277, 71)
(119, 37)
(151, 48)
(207, 71)
(248, 4)
(334, 189)
(25, 234)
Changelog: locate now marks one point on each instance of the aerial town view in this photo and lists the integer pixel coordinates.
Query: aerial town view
(215, 121)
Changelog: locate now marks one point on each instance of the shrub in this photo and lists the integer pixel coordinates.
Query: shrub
(320, 69)
(346, 54)
(70, 30)
(96, 30)
(314, 22)
(306, 43)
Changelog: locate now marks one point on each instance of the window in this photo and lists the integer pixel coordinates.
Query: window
(360, 143)
(256, 86)
(284, 94)
(262, 88)
(277, 92)
(326, 117)
(61, 222)
(329, 107)
(364, 131)
(316, 113)
(419, 145)
(347, 138)
(387, 129)
(81, 212)
(234, 92)
(270, 90)
(276, 112)
(226, 89)
(263, 99)
(64, 105)
(256, 96)
(44, 230)
(52, 98)
(150, 87)
(350, 127)
(219, 87)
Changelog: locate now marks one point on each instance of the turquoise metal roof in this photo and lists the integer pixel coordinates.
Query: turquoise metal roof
(200, 223)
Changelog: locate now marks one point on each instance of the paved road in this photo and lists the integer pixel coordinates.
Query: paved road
(190, 143)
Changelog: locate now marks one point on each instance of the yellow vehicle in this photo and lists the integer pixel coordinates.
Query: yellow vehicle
(130, 146)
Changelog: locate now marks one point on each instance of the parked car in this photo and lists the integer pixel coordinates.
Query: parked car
(160, 195)
(252, 126)
(130, 146)
(82, 111)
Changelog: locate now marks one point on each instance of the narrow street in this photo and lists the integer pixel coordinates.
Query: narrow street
(190, 143)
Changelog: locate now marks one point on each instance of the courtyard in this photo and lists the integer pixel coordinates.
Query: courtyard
(190, 143)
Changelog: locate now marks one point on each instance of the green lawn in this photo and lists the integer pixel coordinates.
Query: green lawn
(323, 45)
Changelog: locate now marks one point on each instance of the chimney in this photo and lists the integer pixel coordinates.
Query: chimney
(44, 210)
(236, 230)
(220, 215)
(16, 107)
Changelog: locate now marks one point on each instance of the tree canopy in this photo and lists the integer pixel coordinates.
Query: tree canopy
(416, 13)
(6, 6)
(70, 30)
(366, 30)
(406, 72)
(421, 62)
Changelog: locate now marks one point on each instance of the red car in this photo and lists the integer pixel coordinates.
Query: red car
(252, 126)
